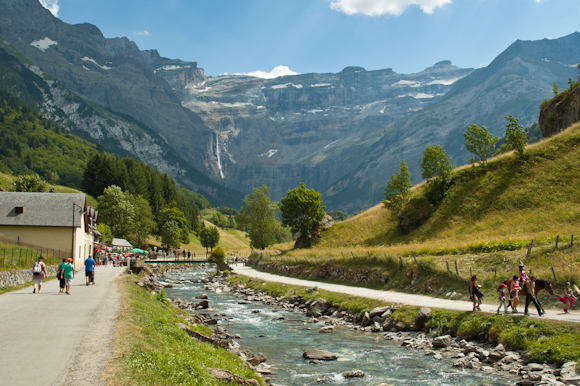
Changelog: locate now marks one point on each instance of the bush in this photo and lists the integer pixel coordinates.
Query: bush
(218, 256)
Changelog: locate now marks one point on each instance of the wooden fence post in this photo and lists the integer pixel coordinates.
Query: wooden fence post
(494, 272)
(368, 253)
(554, 273)
(352, 254)
(572, 240)
(456, 270)
(400, 259)
(557, 239)
(470, 273)
(448, 270)
(414, 257)
(529, 249)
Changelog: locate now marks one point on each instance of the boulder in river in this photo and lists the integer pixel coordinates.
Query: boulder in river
(202, 296)
(202, 305)
(366, 321)
(354, 374)
(313, 353)
(442, 341)
(326, 330)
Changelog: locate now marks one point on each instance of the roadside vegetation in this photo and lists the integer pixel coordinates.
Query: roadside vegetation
(547, 341)
(149, 348)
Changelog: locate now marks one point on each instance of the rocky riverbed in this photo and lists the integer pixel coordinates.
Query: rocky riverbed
(475, 358)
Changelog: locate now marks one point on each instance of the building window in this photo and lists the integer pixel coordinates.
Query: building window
(19, 209)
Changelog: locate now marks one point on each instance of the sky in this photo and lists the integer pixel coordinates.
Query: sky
(269, 38)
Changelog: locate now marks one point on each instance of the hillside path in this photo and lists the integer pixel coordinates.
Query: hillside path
(489, 305)
(57, 339)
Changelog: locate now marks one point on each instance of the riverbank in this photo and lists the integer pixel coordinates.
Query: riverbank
(153, 342)
(536, 350)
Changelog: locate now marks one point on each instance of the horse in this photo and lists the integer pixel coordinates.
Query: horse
(540, 285)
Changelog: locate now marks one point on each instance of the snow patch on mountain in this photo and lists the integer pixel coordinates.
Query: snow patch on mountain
(269, 153)
(87, 59)
(44, 44)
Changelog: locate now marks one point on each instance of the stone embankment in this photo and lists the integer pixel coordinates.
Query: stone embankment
(371, 276)
(22, 276)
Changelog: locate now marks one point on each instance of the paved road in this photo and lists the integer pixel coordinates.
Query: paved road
(57, 339)
(402, 298)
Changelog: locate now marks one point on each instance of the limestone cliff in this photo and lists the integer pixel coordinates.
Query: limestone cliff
(561, 112)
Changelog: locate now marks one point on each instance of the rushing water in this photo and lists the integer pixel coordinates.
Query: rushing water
(283, 335)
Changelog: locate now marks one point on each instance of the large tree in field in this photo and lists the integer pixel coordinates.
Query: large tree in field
(170, 235)
(398, 190)
(259, 218)
(479, 142)
(302, 211)
(117, 211)
(209, 237)
(143, 220)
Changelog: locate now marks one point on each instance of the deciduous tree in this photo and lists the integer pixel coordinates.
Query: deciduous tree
(479, 142)
(516, 136)
(117, 211)
(302, 211)
(436, 163)
(259, 218)
(398, 190)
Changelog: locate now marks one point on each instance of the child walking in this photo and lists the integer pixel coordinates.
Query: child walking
(568, 299)
(502, 298)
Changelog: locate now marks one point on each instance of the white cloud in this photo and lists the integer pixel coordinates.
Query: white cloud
(142, 33)
(276, 72)
(384, 7)
(51, 5)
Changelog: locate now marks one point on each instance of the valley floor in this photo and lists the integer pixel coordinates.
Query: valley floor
(390, 297)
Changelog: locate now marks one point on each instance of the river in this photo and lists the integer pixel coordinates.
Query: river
(282, 336)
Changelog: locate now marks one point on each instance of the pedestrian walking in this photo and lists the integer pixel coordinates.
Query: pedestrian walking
(502, 298)
(515, 294)
(60, 277)
(188, 254)
(68, 274)
(529, 288)
(475, 293)
(523, 277)
(568, 299)
(39, 273)
(90, 270)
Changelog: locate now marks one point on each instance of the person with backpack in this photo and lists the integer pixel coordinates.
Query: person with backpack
(39, 273)
(475, 293)
(59, 275)
(68, 274)
(502, 298)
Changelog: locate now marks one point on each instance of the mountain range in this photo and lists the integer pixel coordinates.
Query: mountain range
(342, 134)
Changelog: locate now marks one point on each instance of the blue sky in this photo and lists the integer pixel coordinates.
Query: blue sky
(238, 36)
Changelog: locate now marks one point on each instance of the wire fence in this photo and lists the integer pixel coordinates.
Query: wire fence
(18, 255)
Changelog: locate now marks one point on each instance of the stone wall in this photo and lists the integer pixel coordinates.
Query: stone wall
(373, 276)
(21, 276)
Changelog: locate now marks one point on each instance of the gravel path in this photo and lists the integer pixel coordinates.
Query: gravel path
(57, 339)
(403, 298)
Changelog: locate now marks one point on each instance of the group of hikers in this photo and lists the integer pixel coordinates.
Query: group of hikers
(65, 274)
(510, 291)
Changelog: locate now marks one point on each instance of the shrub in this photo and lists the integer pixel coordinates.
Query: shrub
(218, 256)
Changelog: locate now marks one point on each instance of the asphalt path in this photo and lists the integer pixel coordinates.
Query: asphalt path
(57, 339)
(390, 297)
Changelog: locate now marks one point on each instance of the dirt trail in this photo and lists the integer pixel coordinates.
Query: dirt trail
(403, 298)
(57, 339)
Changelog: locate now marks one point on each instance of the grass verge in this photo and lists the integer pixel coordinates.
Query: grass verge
(545, 341)
(149, 348)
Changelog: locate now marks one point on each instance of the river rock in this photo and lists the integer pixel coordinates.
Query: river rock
(366, 321)
(421, 318)
(226, 376)
(401, 326)
(442, 341)
(319, 306)
(354, 374)
(202, 305)
(568, 370)
(313, 353)
(326, 330)
(202, 296)
(378, 311)
(256, 359)
(388, 324)
(497, 353)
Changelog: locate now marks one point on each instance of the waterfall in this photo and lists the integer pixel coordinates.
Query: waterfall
(217, 152)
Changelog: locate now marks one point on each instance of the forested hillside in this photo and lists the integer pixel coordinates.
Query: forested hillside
(30, 144)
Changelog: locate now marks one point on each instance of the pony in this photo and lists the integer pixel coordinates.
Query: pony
(540, 285)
